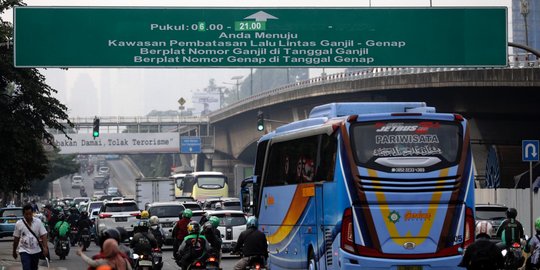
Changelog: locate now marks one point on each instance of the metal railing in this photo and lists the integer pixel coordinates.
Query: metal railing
(514, 61)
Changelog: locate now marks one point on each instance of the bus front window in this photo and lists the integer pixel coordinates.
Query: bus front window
(374, 141)
(211, 182)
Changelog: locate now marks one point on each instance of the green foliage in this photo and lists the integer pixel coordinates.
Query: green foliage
(58, 166)
(27, 111)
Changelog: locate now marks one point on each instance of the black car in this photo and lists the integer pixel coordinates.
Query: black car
(494, 213)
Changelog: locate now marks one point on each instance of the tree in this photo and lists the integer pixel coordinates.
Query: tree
(27, 112)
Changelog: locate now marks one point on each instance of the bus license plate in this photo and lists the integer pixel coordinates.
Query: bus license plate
(409, 267)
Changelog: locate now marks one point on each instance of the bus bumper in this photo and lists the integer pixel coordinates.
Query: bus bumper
(350, 261)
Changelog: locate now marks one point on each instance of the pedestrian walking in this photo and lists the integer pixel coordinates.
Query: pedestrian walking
(30, 239)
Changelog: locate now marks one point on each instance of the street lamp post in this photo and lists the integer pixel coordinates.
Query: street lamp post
(524, 10)
(237, 78)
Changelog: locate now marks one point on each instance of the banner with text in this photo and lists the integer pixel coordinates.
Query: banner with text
(118, 143)
(259, 37)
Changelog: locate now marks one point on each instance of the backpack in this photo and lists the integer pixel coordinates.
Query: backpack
(482, 258)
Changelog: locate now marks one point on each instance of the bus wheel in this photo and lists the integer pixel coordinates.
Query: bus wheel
(312, 264)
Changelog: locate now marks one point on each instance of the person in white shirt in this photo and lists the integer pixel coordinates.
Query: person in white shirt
(25, 243)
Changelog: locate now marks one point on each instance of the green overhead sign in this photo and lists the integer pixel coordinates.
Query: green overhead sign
(259, 37)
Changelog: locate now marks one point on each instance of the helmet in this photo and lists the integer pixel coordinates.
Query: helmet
(61, 216)
(187, 213)
(145, 214)
(218, 206)
(143, 224)
(215, 221)
(252, 222)
(208, 226)
(84, 214)
(154, 220)
(511, 213)
(537, 224)
(483, 229)
(193, 227)
(109, 233)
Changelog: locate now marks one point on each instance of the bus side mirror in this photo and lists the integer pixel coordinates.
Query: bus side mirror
(247, 194)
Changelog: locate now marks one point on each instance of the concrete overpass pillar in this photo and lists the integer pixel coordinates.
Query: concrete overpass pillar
(480, 152)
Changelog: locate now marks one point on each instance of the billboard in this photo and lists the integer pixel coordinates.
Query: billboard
(205, 103)
(118, 143)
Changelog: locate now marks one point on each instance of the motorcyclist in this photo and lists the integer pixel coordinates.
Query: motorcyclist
(533, 262)
(61, 228)
(52, 221)
(213, 235)
(61, 231)
(82, 192)
(180, 230)
(510, 231)
(73, 219)
(194, 247)
(482, 254)
(157, 231)
(251, 242)
(143, 241)
(83, 224)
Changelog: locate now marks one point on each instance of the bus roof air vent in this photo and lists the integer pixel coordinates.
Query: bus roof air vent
(332, 110)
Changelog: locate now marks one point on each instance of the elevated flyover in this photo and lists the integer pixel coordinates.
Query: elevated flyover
(502, 104)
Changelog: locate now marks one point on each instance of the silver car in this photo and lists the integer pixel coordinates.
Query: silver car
(231, 224)
(168, 214)
(118, 214)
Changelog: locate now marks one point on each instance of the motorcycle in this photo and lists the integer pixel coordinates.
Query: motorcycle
(142, 262)
(212, 263)
(90, 170)
(61, 247)
(197, 265)
(157, 256)
(74, 234)
(256, 263)
(84, 240)
(513, 257)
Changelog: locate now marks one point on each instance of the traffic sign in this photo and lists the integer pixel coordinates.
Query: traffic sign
(529, 150)
(259, 37)
(190, 145)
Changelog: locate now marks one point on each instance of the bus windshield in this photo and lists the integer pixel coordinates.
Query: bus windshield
(210, 181)
(406, 138)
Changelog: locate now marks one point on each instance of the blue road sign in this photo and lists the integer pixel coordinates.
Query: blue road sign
(529, 150)
(190, 145)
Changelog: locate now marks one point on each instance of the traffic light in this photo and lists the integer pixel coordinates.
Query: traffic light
(95, 133)
(260, 121)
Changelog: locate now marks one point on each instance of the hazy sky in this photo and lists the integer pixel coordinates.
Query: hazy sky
(135, 92)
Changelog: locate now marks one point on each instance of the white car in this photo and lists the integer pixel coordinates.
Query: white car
(77, 181)
(231, 224)
(117, 214)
